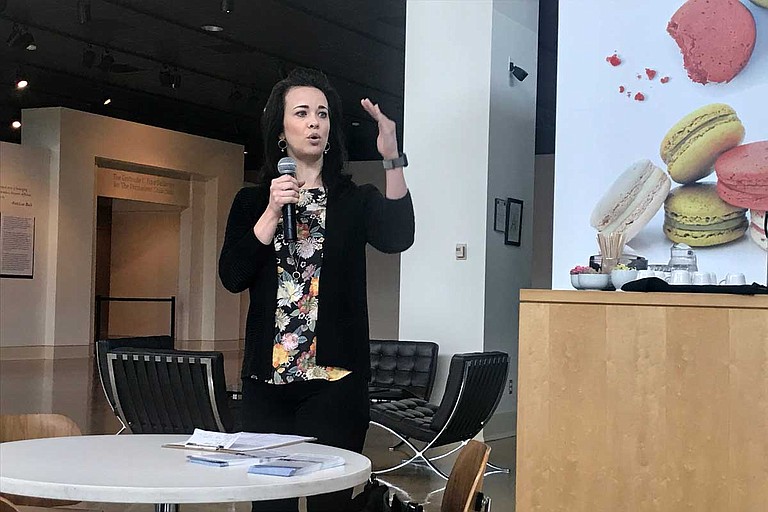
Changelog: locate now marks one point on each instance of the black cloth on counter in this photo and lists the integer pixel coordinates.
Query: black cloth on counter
(654, 284)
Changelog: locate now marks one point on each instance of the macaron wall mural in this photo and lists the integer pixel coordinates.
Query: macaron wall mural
(662, 132)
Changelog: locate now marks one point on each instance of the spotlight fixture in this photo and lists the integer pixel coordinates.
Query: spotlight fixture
(83, 11)
(235, 96)
(170, 78)
(175, 79)
(89, 57)
(227, 5)
(21, 84)
(21, 38)
(212, 28)
(165, 77)
(517, 72)
(16, 125)
(107, 61)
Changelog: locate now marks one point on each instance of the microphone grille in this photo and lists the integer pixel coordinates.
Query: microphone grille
(286, 165)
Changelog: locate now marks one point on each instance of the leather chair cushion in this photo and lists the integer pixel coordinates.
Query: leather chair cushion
(411, 417)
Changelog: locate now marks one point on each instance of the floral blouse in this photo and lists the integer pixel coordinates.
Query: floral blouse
(298, 300)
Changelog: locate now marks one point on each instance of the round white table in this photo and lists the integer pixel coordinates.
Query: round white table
(135, 469)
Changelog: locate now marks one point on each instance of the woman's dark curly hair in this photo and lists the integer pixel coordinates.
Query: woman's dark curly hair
(272, 124)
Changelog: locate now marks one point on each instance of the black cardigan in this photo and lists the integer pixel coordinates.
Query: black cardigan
(355, 215)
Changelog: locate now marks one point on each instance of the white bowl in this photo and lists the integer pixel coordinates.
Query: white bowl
(621, 277)
(575, 281)
(594, 281)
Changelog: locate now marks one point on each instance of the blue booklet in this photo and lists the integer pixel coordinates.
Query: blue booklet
(296, 464)
(232, 459)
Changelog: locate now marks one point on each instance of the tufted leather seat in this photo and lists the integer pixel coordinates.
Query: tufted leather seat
(402, 369)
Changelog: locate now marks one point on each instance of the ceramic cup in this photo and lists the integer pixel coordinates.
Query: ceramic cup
(734, 279)
(702, 278)
(680, 277)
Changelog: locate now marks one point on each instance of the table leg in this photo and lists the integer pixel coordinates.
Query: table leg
(166, 507)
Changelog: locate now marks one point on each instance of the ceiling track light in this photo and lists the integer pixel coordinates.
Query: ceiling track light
(175, 79)
(83, 11)
(227, 5)
(21, 38)
(107, 61)
(89, 57)
(165, 77)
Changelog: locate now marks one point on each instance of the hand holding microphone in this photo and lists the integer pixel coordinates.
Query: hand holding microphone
(287, 167)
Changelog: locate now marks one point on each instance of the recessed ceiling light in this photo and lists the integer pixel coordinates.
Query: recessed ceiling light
(107, 101)
(21, 83)
(355, 123)
(212, 28)
(16, 125)
(245, 152)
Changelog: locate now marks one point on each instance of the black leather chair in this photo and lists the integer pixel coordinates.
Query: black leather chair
(169, 391)
(476, 383)
(163, 342)
(402, 369)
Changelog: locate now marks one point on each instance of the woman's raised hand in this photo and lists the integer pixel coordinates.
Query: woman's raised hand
(386, 142)
(282, 191)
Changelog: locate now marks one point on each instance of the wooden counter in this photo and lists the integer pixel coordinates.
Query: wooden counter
(642, 402)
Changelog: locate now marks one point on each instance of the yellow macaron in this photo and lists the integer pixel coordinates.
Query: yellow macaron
(695, 215)
(692, 145)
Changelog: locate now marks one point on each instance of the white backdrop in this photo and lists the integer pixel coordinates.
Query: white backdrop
(601, 132)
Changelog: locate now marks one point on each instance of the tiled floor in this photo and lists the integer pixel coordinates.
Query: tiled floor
(72, 387)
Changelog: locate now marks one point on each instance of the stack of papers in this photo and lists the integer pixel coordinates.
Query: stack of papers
(296, 464)
(238, 442)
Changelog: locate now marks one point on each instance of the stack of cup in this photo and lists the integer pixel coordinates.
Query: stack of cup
(734, 279)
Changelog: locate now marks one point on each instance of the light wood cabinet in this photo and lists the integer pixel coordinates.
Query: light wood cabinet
(642, 402)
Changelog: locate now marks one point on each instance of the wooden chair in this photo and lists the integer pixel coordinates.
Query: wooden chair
(7, 506)
(17, 427)
(466, 480)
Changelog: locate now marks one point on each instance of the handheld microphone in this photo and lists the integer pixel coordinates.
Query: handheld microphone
(287, 165)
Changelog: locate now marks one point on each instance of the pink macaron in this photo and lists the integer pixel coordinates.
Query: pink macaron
(742, 176)
(716, 38)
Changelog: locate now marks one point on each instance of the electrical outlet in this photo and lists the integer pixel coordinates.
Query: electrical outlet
(511, 386)
(461, 251)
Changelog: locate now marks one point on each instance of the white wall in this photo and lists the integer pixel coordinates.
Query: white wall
(383, 270)
(144, 263)
(76, 141)
(510, 174)
(22, 301)
(447, 91)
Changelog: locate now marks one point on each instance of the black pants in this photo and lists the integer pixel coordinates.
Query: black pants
(336, 413)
